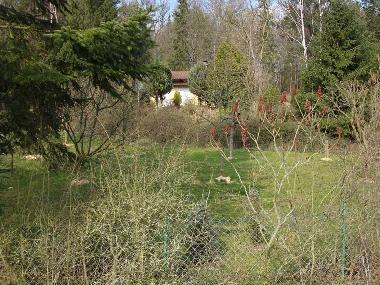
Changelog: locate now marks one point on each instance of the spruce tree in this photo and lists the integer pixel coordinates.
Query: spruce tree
(343, 50)
(39, 68)
(89, 13)
(180, 57)
(226, 76)
(372, 10)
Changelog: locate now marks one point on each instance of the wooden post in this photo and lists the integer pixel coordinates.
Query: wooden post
(231, 142)
(12, 161)
(327, 151)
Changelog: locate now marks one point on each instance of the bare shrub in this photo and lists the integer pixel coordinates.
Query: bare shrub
(170, 125)
(327, 237)
(97, 119)
(135, 232)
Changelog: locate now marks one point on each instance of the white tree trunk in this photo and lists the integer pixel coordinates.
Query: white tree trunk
(304, 46)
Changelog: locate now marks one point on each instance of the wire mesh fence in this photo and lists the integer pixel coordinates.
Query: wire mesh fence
(331, 247)
(141, 231)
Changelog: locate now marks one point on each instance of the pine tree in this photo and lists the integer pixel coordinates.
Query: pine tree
(39, 68)
(180, 58)
(344, 50)
(226, 76)
(372, 10)
(89, 13)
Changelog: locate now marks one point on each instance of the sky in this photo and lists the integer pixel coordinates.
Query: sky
(173, 4)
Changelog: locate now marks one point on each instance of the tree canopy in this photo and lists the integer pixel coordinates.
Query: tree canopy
(180, 57)
(158, 82)
(198, 81)
(221, 81)
(40, 67)
(344, 49)
(226, 75)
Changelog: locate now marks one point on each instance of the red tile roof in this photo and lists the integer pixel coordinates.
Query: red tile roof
(180, 75)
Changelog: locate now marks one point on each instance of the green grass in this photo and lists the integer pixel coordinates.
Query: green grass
(31, 180)
(311, 189)
(31, 189)
(258, 170)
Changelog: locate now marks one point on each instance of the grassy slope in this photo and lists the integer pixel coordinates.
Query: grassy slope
(257, 170)
(313, 181)
(32, 180)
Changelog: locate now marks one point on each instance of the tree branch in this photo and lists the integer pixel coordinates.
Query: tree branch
(11, 15)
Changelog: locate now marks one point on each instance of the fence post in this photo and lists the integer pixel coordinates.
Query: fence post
(166, 243)
(344, 238)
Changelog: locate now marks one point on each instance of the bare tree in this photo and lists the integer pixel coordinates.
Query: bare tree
(96, 120)
(295, 11)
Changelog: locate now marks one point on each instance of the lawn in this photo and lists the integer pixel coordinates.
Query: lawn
(259, 172)
(297, 191)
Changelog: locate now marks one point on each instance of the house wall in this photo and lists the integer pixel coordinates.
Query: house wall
(186, 96)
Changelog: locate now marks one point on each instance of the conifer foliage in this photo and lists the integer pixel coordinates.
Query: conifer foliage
(343, 50)
(180, 57)
(40, 68)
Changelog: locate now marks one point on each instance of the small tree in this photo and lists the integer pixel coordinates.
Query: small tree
(226, 76)
(97, 119)
(158, 83)
(177, 99)
(198, 82)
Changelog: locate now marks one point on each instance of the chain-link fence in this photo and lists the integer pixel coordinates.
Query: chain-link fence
(336, 245)
(139, 230)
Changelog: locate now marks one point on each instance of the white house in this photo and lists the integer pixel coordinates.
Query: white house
(180, 83)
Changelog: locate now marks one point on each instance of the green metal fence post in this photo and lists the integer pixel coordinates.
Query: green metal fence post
(166, 243)
(344, 239)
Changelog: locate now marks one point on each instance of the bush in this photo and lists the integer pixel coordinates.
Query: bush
(330, 126)
(271, 95)
(202, 245)
(264, 132)
(136, 231)
(258, 232)
(299, 103)
(177, 99)
(171, 125)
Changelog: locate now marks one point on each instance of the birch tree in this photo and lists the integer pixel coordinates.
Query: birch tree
(295, 14)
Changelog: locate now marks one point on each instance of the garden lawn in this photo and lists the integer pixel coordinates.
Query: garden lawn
(260, 174)
(32, 183)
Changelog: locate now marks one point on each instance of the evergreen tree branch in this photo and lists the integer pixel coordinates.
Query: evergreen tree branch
(11, 15)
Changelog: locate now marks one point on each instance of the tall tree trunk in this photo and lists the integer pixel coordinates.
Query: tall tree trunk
(231, 142)
(304, 46)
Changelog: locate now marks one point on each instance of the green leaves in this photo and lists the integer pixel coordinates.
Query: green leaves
(114, 52)
(225, 78)
(198, 81)
(158, 82)
(39, 71)
(32, 97)
(343, 50)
